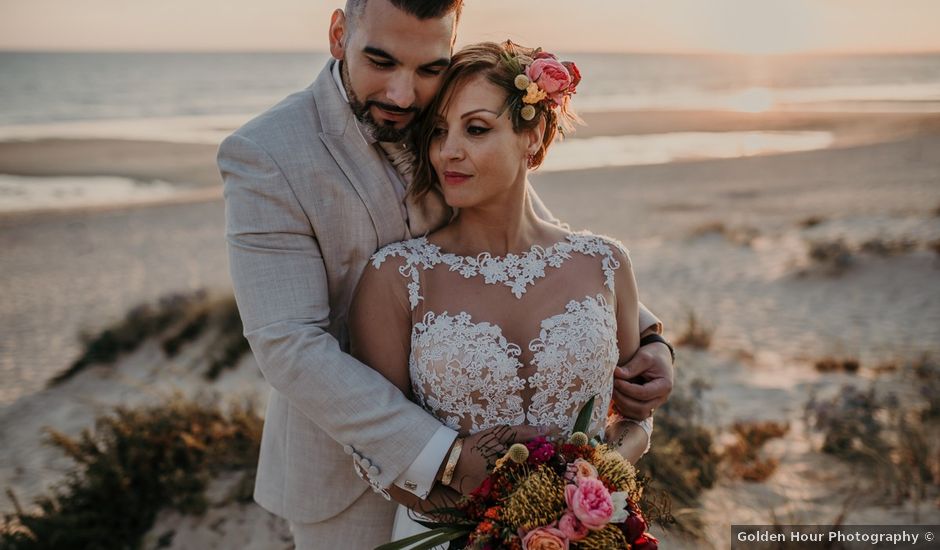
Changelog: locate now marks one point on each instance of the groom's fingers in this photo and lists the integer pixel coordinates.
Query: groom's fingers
(637, 401)
(657, 388)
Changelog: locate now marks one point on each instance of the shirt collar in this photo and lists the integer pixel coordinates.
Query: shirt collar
(338, 79)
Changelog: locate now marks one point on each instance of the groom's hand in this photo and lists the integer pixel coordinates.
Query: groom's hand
(482, 449)
(644, 382)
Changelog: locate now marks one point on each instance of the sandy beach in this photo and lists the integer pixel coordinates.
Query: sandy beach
(727, 239)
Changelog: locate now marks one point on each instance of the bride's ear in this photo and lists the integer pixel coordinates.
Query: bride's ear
(535, 136)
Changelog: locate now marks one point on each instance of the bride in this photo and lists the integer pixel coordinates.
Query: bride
(499, 318)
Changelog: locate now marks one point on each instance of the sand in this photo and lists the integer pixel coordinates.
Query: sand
(727, 239)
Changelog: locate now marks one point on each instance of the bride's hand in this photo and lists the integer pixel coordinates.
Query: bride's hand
(482, 448)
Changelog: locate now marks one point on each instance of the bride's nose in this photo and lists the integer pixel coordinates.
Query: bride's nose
(452, 147)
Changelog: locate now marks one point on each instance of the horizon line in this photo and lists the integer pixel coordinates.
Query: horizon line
(597, 52)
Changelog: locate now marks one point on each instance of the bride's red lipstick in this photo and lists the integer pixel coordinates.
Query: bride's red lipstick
(455, 178)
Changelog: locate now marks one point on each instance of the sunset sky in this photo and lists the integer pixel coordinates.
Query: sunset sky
(739, 26)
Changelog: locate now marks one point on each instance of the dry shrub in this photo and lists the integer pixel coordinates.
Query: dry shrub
(885, 247)
(890, 440)
(833, 256)
(742, 235)
(811, 221)
(176, 320)
(935, 246)
(888, 367)
(681, 463)
(135, 463)
(833, 364)
(743, 456)
(696, 334)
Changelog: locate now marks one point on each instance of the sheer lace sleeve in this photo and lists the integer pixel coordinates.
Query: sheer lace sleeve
(627, 300)
(380, 321)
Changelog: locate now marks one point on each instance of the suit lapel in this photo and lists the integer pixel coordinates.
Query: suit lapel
(427, 214)
(357, 159)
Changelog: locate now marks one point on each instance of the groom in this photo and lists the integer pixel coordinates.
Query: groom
(310, 195)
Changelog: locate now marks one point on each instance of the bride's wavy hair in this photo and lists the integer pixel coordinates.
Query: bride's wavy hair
(487, 59)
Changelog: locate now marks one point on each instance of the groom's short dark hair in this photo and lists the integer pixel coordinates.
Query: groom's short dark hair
(422, 9)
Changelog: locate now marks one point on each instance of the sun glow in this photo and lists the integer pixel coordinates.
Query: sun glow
(751, 100)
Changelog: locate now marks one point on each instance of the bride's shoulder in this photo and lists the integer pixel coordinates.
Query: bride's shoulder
(403, 253)
(604, 245)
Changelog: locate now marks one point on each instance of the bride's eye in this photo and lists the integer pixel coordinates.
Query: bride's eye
(474, 130)
(438, 132)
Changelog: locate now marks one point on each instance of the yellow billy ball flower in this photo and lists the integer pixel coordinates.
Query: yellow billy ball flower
(578, 438)
(518, 453)
(522, 81)
(527, 112)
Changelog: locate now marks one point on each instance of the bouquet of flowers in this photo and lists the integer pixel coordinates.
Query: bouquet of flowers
(547, 495)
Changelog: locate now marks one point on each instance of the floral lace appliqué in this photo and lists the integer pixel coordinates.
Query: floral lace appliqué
(517, 271)
(466, 373)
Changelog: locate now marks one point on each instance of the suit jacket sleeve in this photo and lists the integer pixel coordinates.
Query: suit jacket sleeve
(282, 292)
(647, 319)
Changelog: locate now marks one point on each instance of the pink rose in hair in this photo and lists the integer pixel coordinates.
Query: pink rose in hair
(545, 538)
(590, 501)
(571, 527)
(575, 74)
(551, 76)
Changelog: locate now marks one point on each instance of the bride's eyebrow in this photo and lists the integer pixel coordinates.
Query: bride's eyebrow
(475, 111)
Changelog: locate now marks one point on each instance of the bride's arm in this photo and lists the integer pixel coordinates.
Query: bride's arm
(380, 336)
(380, 323)
(630, 438)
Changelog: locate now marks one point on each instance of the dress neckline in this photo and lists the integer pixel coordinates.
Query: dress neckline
(516, 271)
(536, 250)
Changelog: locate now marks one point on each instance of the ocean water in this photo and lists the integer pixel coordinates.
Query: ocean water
(42, 88)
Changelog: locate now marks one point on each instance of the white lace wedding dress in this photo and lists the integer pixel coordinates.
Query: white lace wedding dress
(520, 339)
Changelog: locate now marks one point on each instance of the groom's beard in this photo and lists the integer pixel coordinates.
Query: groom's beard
(379, 131)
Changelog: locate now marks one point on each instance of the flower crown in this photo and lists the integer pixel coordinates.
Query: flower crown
(544, 82)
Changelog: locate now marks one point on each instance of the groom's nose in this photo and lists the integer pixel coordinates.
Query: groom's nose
(401, 89)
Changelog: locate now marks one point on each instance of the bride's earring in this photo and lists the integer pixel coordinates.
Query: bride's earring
(529, 160)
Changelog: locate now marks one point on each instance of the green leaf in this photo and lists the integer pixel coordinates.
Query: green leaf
(426, 540)
(584, 417)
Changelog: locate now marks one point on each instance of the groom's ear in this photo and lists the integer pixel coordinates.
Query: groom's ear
(338, 30)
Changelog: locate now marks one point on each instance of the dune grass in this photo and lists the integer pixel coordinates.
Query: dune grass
(135, 463)
(890, 440)
(743, 458)
(682, 462)
(176, 321)
(697, 334)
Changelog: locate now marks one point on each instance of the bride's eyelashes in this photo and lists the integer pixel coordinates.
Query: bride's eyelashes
(472, 130)
(476, 130)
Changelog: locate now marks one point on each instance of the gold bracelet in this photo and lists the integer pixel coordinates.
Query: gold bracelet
(452, 462)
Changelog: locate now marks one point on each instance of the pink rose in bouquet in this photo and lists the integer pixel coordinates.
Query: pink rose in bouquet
(571, 527)
(582, 468)
(590, 501)
(545, 538)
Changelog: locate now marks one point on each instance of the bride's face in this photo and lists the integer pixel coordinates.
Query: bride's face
(478, 158)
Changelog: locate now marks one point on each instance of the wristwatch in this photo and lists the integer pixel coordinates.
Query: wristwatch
(650, 338)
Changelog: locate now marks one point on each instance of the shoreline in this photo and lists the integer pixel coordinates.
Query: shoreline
(191, 166)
